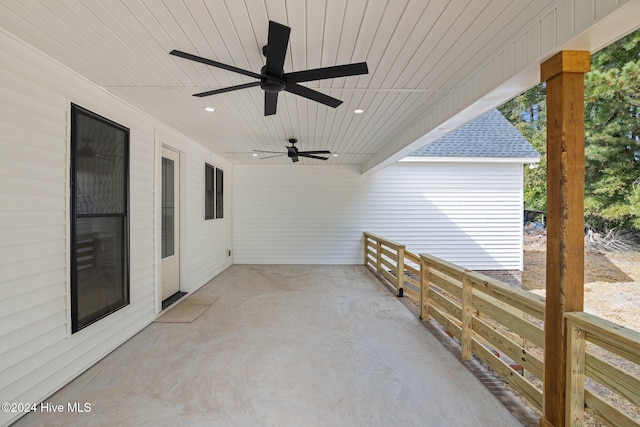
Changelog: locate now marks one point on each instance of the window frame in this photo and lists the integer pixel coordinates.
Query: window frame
(78, 324)
(219, 191)
(209, 192)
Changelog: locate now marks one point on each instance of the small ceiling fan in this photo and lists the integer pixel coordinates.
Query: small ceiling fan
(272, 78)
(293, 153)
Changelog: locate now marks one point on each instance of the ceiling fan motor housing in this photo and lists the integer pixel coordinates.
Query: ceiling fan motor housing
(269, 83)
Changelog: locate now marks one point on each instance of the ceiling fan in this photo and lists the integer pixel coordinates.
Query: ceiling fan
(272, 78)
(293, 153)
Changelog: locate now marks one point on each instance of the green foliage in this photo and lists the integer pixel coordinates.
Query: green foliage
(635, 205)
(527, 113)
(612, 125)
(612, 137)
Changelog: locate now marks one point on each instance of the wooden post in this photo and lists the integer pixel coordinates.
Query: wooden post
(400, 272)
(575, 376)
(564, 75)
(425, 284)
(366, 247)
(467, 318)
(378, 256)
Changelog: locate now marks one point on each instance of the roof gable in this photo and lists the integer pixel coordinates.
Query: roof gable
(490, 135)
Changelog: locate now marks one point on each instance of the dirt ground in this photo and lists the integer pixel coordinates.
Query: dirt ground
(612, 281)
(611, 291)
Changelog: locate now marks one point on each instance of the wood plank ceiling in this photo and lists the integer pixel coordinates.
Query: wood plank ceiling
(417, 52)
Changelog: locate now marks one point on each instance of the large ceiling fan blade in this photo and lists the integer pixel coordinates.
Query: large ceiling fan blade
(270, 103)
(277, 43)
(226, 89)
(313, 95)
(269, 157)
(311, 156)
(214, 63)
(327, 73)
(263, 151)
(315, 152)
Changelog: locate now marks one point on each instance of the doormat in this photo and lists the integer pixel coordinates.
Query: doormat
(188, 310)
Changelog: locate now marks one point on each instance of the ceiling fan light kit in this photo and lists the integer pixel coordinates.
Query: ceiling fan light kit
(272, 78)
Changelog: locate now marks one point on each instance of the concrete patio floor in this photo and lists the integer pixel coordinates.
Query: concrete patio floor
(283, 346)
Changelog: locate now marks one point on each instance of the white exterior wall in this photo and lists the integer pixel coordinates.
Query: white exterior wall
(467, 213)
(38, 353)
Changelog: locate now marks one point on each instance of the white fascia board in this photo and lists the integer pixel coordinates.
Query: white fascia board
(455, 159)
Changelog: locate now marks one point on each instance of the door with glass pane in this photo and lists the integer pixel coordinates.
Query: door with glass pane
(170, 223)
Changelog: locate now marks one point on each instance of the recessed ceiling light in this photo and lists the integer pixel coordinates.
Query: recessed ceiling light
(209, 109)
(254, 155)
(335, 155)
(358, 111)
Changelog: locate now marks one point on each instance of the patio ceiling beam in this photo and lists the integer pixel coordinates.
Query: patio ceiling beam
(564, 76)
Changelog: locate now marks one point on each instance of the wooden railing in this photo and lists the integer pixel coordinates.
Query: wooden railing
(387, 259)
(582, 363)
(503, 326)
(393, 261)
(495, 322)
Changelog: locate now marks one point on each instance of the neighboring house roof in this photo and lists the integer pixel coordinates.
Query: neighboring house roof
(490, 135)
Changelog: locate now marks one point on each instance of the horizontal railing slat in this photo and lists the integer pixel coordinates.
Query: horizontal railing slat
(412, 270)
(412, 257)
(608, 335)
(389, 276)
(607, 413)
(526, 301)
(512, 377)
(388, 253)
(516, 312)
(391, 266)
(446, 267)
(382, 240)
(411, 280)
(614, 378)
(415, 296)
(447, 323)
(520, 326)
(515, 351)
(451, 307)
(446, 285)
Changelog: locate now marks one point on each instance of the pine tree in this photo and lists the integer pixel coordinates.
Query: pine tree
(527, 113)
(612, 124)
(612, 137)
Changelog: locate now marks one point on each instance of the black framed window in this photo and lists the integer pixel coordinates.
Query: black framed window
(209, 192)
(99, 217)
(219, 193)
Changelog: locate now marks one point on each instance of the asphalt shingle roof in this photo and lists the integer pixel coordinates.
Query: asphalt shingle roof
(490, 135)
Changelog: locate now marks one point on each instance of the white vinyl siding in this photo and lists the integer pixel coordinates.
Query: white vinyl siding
(466, 213)
(38, 353)
(207, 242)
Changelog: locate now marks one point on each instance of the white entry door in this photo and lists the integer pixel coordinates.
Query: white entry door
(170, 223)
